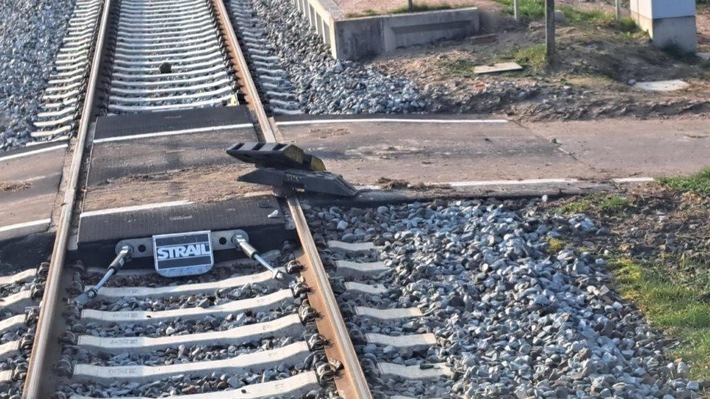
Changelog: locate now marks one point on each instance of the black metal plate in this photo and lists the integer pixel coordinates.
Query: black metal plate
(154, 122)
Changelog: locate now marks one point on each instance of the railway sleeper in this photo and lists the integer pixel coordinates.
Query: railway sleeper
(54, 122)
(17, 302)
(283, 104)
(265, 58)
(345, 268)
(170, 42)
(283, 327)
(56, 114)
(74, 78)
(13, 323)
(297, 385)
(58, 88)
(289, 356)
(52, 133)
(281, 95)
(367, 289)
(168, 53)
(281, 111)
(177, 68)
(264, 278)
(417, 372)
(262, 303)
(61, 96)
(162, 52)
(139, 18)
(152, 108)
(385, 315)
(178, 98)
(60, 104)
(21, 277)
(186, 57)
(199, 17)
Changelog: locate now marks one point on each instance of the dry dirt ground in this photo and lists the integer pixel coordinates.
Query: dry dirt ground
(597, 59)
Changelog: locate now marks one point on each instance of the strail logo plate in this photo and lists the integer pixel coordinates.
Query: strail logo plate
(183, 254)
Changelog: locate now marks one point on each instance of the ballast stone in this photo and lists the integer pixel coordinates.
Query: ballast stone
(524, 312)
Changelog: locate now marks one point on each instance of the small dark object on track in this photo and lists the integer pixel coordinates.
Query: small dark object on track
(165, 67)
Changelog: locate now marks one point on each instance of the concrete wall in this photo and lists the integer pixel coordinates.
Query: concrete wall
(667, 22)
(321, 15)
(369, 36)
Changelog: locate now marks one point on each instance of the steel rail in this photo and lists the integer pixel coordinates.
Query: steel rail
(351, 382)
(35, 381)
(242, 69)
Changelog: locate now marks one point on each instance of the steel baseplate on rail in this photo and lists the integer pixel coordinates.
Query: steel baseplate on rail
(285, 166)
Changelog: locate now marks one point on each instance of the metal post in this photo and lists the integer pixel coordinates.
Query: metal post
(411, 5)
(618, 10)
(550, 31)
(515, 10)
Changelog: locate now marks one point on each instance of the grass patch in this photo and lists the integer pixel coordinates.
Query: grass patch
(605, 204)
(698, 183)
(679, 310)
(614, 204)
(555, 245)
(528, 10)
(594, 17)
(461, 68)
(626, 25)
(420, 8)
(531, 57)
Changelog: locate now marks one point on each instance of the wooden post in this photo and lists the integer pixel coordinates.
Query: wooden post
(515, 10)
(618, 10)
(550, 31)
(411, 5)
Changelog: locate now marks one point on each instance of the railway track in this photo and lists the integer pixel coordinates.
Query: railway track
(165, 56)
(65, 92)
(20, 294)
(235, 329)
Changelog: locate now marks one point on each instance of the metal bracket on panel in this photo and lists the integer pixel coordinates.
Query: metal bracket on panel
(318, 182)
(276, 155)
(287, 167)
(143, 247)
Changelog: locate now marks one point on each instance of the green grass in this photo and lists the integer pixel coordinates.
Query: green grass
(698, 183)
(529, 10)
(626, 25)
(605, 204)
(614, 204)
(461, 68)
(594, 17)
(420, 7)
(682, 311)
(531, 57)
(555, 245)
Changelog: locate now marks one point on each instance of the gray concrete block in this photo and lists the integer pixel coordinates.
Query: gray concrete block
(365, 37)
